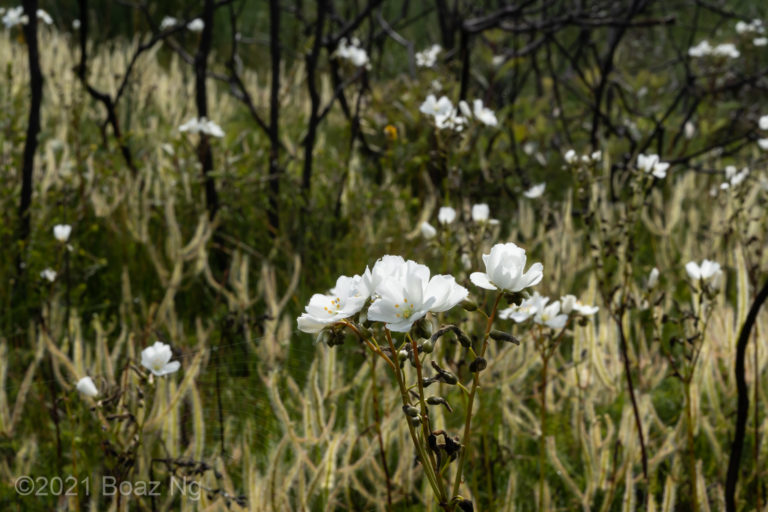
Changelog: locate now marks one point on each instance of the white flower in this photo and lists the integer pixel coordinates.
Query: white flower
(504, 269)
(464, 108)
(157, 359)
(62, 232)
(483, 114)
(15, 16)
(44, 17)
(760, 41)
(410, 294)
(653, 165)
(763, 122)
(466, 261)
(352, 52)
(427, 58)
(436, 86)
(763, 143)
(700, 50)
(434, 107)
(708, 272)
(480, 212)
(168, 22)
(346, 299)
(87, 387)
(550, 316)
(570, 303)
(446, 215)
(689, 129)
(196, 25)
(753, 27)
(48, 274)
(726, 50)
(596, 156)
(571, 157)
(427, 230)
(498, 60)
(202, 125)
(525, 310)
(535, 191)
(653, 278)
(76, 24)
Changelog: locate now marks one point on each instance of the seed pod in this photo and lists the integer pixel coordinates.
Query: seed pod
(465, 505)
(427, 347)
(463, 339)
(478, 365)
(423, 328)
(504, 336)
(438, 400)
(444, 375)
(411, 410)
(402, 355)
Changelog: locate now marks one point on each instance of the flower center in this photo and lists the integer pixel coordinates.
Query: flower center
(335, 306)
(406, 311)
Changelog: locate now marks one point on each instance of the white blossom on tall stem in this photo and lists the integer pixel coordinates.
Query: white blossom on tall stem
(569, 303)
(504, 270)
(157, 359)
(709, 273)
(48, 274)
(427, 230)
(87, 387)
(61, 232)
(409, 294)
(480, 212)
(196, 25)
(446, 215)
(535, 191)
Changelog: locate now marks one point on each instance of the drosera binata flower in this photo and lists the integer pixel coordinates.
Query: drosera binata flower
(345, 300)
(427, 230)
(428, 57)
(480, 212)
(708, 273)
(61, 232)
(651, 164)
(504, 270)
(196, 25)
(409, 294)
(535, 191)
(525, 310)
(48, 274)
(157, 359)
(446, 215)
(86, 387)
(653, 279)
(202, 125)
(570, 304)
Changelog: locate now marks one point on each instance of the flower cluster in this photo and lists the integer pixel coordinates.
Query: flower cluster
(353, 52)
(734, 177)
(400, 292)
(545, 313)
(572, 158)
(704, 49)
(427, 57)
(16, 16)
(443, 112)
(202, 125)
(753, 29)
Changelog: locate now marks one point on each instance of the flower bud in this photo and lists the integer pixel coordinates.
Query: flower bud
(427, 347)
(504, 336)
(438, 400)
(469, 305)
(402, 355)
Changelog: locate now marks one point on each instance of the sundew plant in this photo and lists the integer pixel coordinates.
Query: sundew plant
(383, 255)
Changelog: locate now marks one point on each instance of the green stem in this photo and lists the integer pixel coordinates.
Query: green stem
(543, 438)
(691, 448)
(475, 383)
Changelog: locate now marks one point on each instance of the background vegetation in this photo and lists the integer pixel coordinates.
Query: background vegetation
(215, 246)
